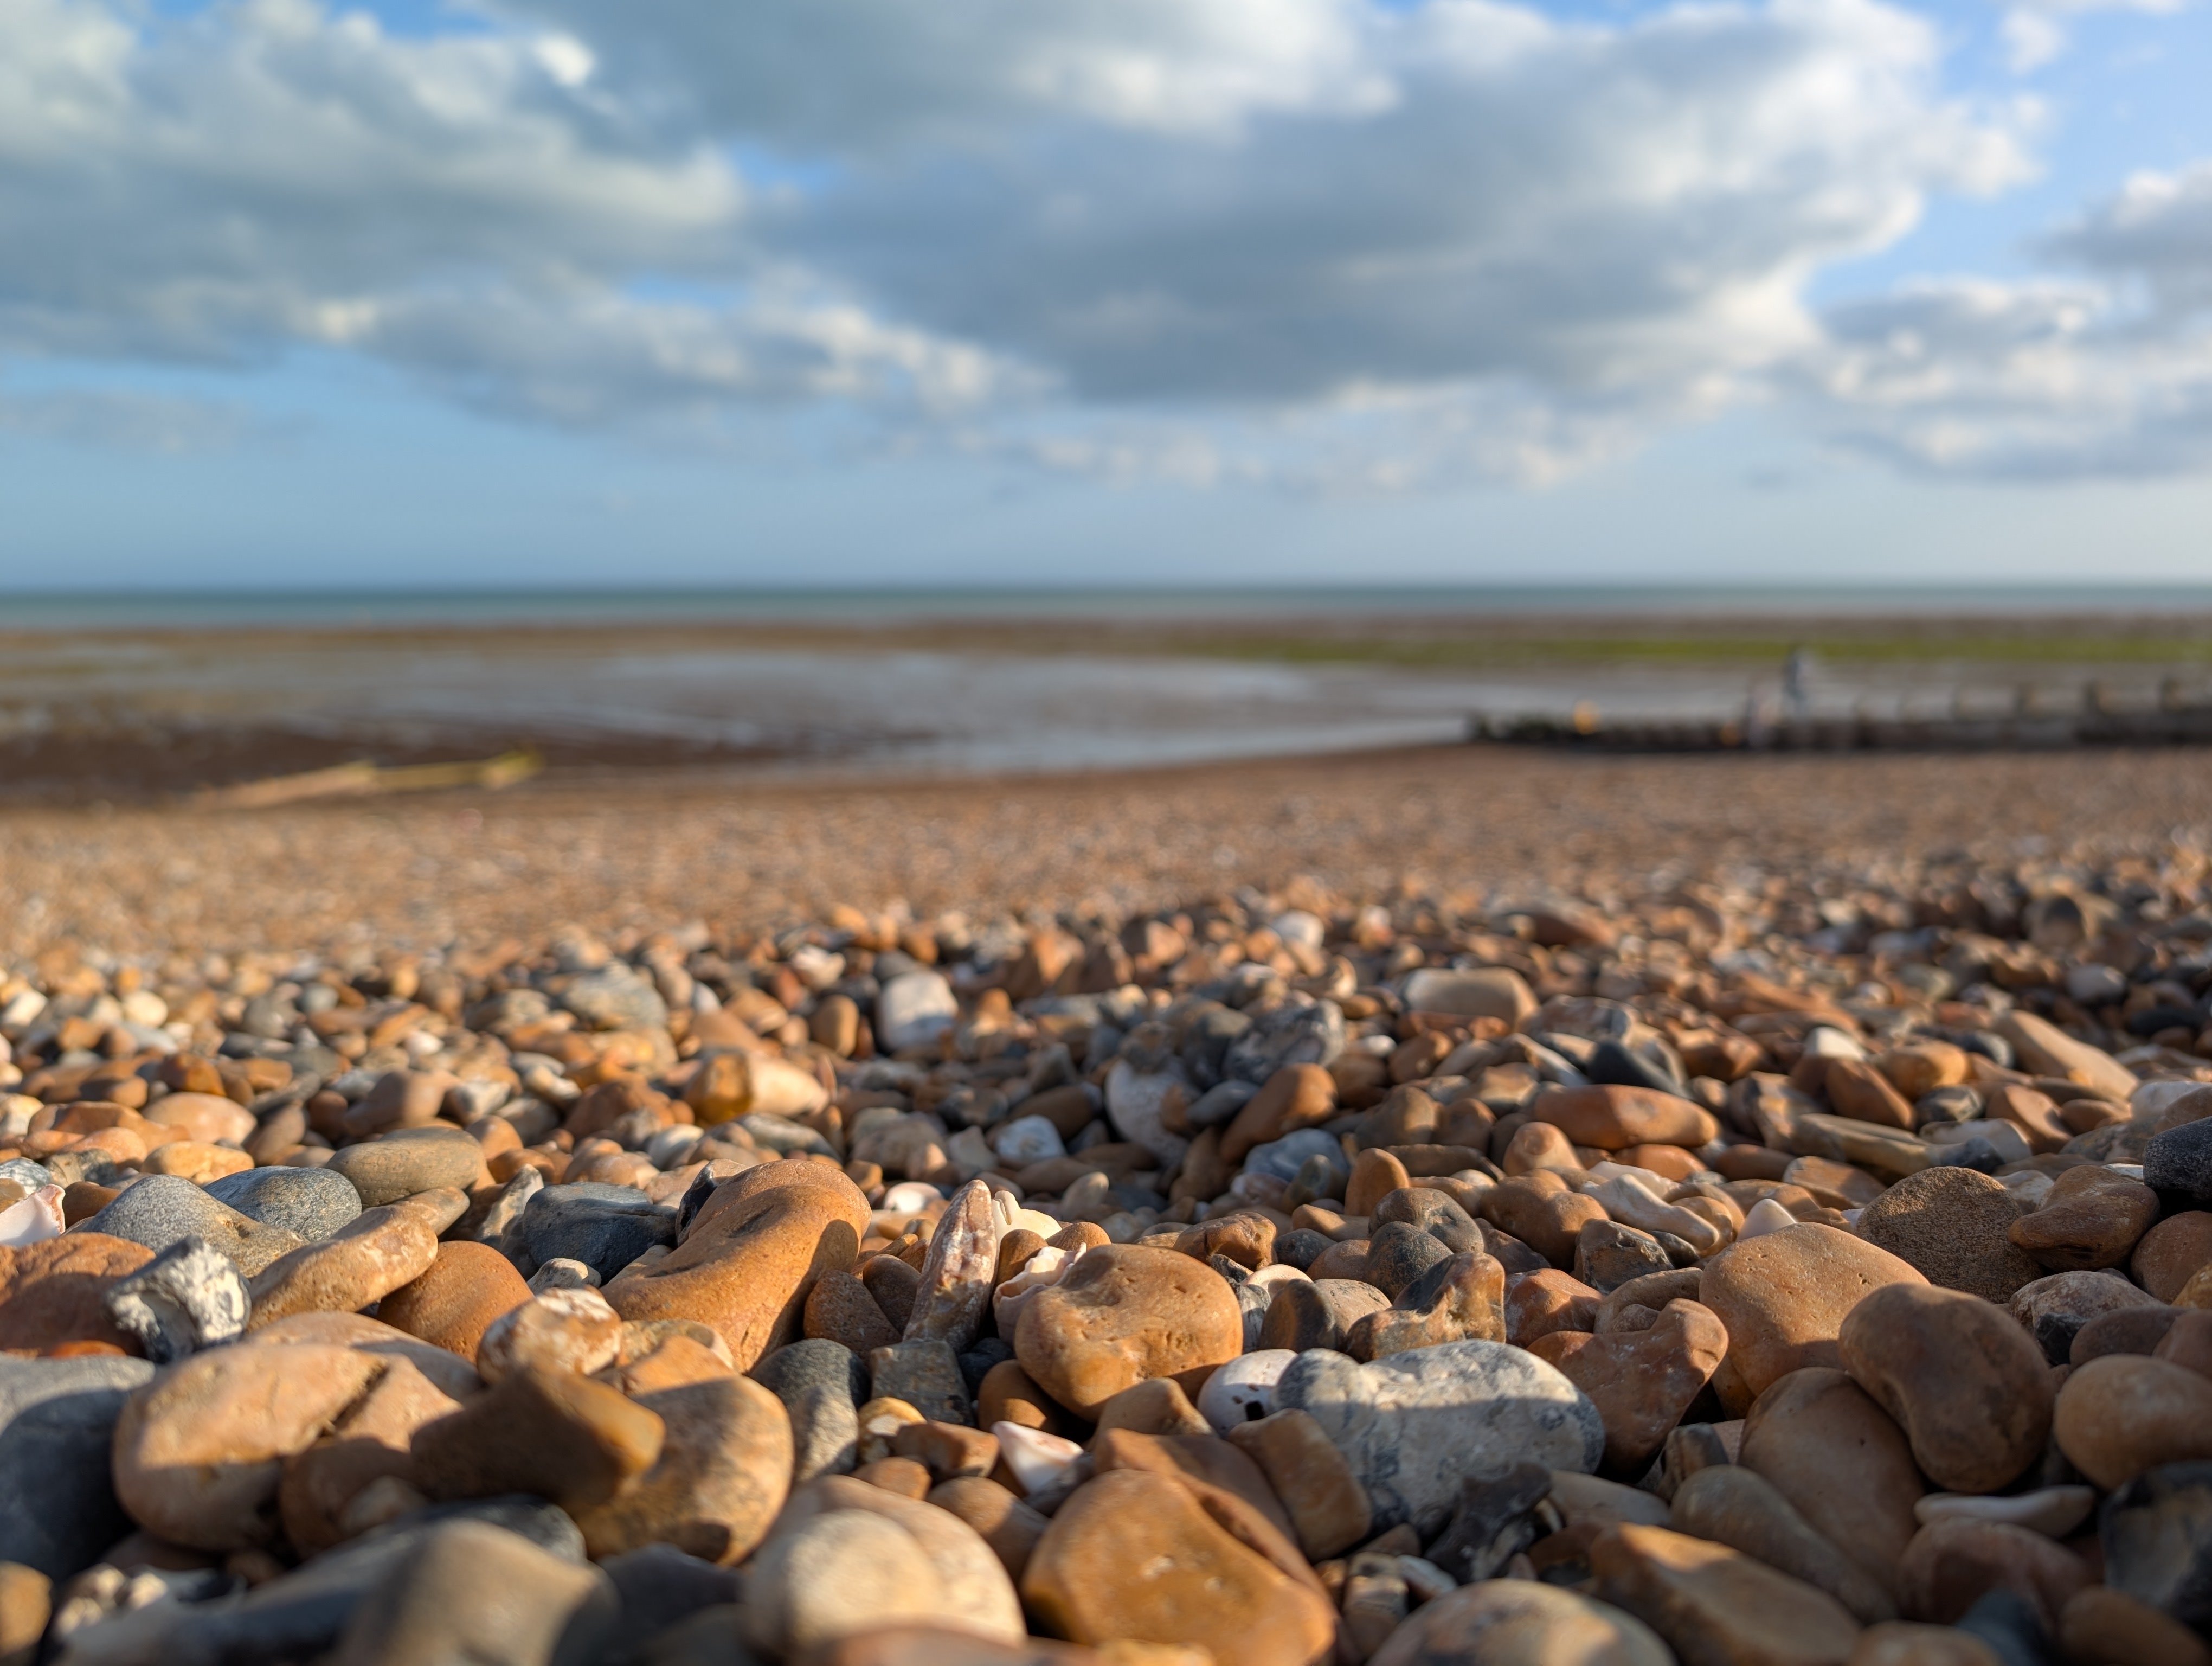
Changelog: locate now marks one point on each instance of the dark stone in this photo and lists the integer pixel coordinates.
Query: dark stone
(1234, 1271)
(1434, 1212)
(1609, 1061)
(1318, 1313)
(658, 1586)
(1608, 1255)
(2007, 1622)
(2124, 1330)
(977, 1363)
(1285, 1035)
(1509, 1252)
(311, 1202)
(1399, 1253)
(2055, 1309)
(2177, 1165)
(1977, 1154)
(926, 1376)
(605, 1227)
(1300, 1248)
(797, 1368)
(57, 1508)
(1492, 1523)
(2157, 1535)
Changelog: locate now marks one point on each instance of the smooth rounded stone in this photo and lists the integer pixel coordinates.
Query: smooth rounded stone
(398, 1099)
(1845, 1468)
(1952, 1225)
(1714, 1604)
(58, 1510)
(1904, 1643)
(658, 1586)
(924, 1374)
(2043, 1049)
(2053, 1511)
(467, 1590)
(724, 1471)
(605, 1227)
(1131, 1555)
(1282, 1158)
(1137, 1104)
(821, 1385)
(832, 1569)
(1966, 1384)
(1537, 1304)
(1462, 1299)
(162, 1210)
(2103, 1626)
(413, 1159)
(2177, 1164)
(1314, 1313)
(2187, 1342)
(2054, 1308)
(1542, 1211)
(1737, 1507)
(1520, 1622)
(1122, 1313)
(839, 1309)
(2169, 1255)
(1398, 1253)
(752, 1254)
(958, 1273)
(552, 1434)
(1411, 1425)
(1297, 1096)
(2157, 1538)
(1641, 1381)
(895, 1286)
(208, 1118)
(2092, 1218)
(1951, 1565)
(188, 1297)
(1537, 1146)
(1246, 1238)
(1009, 1527)
(1292, 1033)
(1608, 1255)
(1026, 1139)
(504, 1213)
(1329, 1510)
(572, 1330)
(455, 1300)
(198, 1455)
(311, 1202)
(2122, 1414)
(1631, 1204)
(1435, 1213)
(1613, 1118)
(2124, 1330)
(1783, 1297)
(369, 1258)
(912, 1010)
(55, 1290)
(1485, 991)
(360, 1473)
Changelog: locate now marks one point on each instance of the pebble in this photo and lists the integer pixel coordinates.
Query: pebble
(186, 1298)
(2156, 1535)
(1953, 1563)
(2171, 1252)
(471, 1591)
(1955, 1227)
(368, 1258)
(312, 1203)
(550, 1434)
(571, 1328)
(2120, 1415)
(1783, 1297)
(1737, 1507)
(605, 1227)
(58, 1510)
(822, 1384)
(750, 1257)
(724, 1471)
(2053, 1511)
(2054, 1308)
(1519, 1622)
(1843, 1466)
(1641, 1381)
(1411, 1424)
(1122, 1314)
(454, 1300)
(55, 1289)
(163, 1209)
(1966, 1384)
(1613, 1118)
(1134, 1556)
(1712, 1604)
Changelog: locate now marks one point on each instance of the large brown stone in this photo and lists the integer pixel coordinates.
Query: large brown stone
(2124, 1413)
(1641, 1381)
(1842, 1464)
(1132, 1555)
(2043, 1049)
(1542, 1211)
(1519, 1622)
(1968, 1385)
(1954, 1226)
(2092, 1218)
(555, 1434)
(723, 1473)
(371, 1256)
(1122, 1314)
(199, 1452)
(751, 1255)
(51, 1291)
(1715, 1606)
(321, 1496)
(2171, 1252)
(1952, 1564)
(465, 1288)
(1784, 1296)
(1612, 1118)
(1738, 1508)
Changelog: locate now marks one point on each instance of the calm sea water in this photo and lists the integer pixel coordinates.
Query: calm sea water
(232, 609)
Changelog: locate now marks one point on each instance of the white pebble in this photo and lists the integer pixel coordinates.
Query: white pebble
(1037, 1459)
(1243, 1390)
(1764, 1217)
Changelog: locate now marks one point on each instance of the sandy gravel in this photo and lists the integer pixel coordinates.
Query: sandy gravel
(652, 853)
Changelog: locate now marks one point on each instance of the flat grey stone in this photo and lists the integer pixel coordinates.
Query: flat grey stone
(407, 1161)
(312, 1203)
(163, 1209)
(605, 1227)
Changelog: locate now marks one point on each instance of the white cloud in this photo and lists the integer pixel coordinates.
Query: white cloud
(2033, 39)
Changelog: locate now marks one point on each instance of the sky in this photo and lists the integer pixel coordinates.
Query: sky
(902, 292)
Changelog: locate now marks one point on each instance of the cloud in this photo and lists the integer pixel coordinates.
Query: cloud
(2109, 374)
